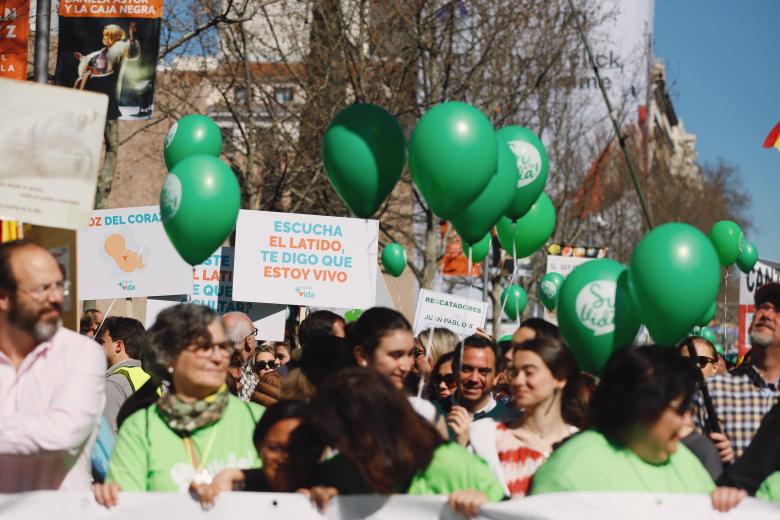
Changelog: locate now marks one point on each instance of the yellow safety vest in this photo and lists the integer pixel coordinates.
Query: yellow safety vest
(135, 375)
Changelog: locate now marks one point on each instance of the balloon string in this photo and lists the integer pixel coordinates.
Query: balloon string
(469, 274)
(725, 308)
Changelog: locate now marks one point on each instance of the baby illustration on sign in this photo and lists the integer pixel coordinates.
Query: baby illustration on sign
(128, 261)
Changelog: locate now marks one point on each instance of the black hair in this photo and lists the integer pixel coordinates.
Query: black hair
(129, 330)
(7, 250)
(474, 341)
(316, 324)
(88, 319)
(279, 411)
(560, 360)
(324, 356)
(373, 325)
(543, 328)
(637, 385)
(690, 340)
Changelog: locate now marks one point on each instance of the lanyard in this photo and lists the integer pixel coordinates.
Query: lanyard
(193, 453)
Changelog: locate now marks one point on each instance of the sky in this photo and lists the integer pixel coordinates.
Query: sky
(723, 71)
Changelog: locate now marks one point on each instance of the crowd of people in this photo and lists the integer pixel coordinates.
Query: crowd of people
(195, 404)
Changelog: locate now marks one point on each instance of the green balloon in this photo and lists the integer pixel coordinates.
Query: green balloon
(549, 287)
(394, 259)
(719, 349)
(352, 315)
(532, 168)
(199, 205)
(481, 215)
(364, 153)
(523, 237)
(452, 156)
(747, 259)
(728, 239)
(675, 277)
(191, 135)
(514, 300)
(480, 250)
(709, 315)
(595, 312)
(708, 334)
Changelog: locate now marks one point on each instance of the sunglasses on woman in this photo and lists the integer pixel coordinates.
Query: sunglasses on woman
(262, 365)
(447, 379)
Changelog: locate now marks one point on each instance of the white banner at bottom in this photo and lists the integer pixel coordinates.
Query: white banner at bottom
(291, 506)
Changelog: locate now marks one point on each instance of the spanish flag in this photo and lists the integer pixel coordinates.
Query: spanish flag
(773, 139)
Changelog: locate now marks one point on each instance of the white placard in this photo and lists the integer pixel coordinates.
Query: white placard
(309, 260)
(212, 285)
(50, 145)
(461, 315)
(125, 253)
(562, 265)
(763, 272)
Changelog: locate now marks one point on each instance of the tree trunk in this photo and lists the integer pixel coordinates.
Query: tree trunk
(108, 171)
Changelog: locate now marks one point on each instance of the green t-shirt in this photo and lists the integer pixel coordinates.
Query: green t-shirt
(453, 468)
(149, 456)
(770, 488)
(589, 462)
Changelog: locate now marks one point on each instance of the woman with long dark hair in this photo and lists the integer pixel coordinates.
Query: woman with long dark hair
(545, 385)
(385, 447)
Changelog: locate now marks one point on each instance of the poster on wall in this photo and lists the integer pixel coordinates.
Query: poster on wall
(310, 260)
(111, 46)
(14, 33)
(763, 272)
(51, 140)
(125, 253)
(212, 286)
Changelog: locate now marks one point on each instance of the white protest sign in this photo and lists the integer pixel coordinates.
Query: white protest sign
(562, 265)
(763, 272)
(212, 285)
(50, 145)
(125, 253)
(306, 260)
(461, 315)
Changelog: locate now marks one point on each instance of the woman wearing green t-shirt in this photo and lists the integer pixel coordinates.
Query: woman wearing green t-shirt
(196, 428)
(636, 415)
(385, 447)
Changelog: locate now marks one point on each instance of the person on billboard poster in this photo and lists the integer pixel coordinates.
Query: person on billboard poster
(103, 69)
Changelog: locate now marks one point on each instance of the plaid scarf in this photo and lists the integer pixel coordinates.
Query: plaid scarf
(184, 417)
(248, 382)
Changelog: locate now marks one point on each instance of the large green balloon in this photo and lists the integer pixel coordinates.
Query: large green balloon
(728, 239)
(364, 152)
(394, 259)
(191, 135)
(199, 204)
(675, 277)
(709, 315)
(595, 312)
(747, 259)
(523, 237)
(452, 156)
(514, 299)
(549, 287)
(481, 215)
(532, 168)
(480, 250)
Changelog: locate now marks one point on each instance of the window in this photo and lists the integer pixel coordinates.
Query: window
(283, 95)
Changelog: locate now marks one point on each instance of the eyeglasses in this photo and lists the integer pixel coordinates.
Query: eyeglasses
(226, 348)
(42, 292)
(703, 361)
(262, 365)
(253, 334)
(447, 379)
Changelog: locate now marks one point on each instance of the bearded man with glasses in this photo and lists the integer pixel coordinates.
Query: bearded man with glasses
(52, 380)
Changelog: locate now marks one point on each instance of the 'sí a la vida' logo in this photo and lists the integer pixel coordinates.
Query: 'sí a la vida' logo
(549, 289)
(305, 292)
(529, 162)
(126, 285)
(170, 197)
(170, 135)
(596, 306)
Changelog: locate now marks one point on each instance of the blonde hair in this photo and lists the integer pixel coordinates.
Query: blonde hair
(438, 341)
(114, 33)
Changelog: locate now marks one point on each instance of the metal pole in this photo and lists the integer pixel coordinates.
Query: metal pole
(42, 26)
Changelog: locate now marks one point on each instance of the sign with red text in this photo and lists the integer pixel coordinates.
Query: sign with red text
(764, 271)
(307, 260)
(212, 286)
(125, 253)
(463, 316)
